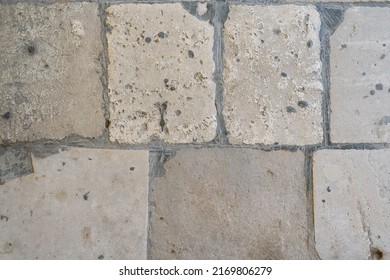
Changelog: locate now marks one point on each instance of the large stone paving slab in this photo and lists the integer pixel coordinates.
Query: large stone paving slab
(272, 75)
(352, 204)
(230, 204)
(78, 204)
(360, 77)
(160, 74)
(50, 71)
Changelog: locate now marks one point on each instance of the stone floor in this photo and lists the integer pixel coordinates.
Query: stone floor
(194, 130)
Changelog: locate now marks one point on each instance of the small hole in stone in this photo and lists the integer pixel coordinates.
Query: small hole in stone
(343, 46)
(101, 257)
(328, 189)
(372, 92)
(31, 49)
(7, 115)
(309, 43)
(161, 35)
(303, 104)
(191, 54)
(148, 40)
(364, 73)
(290, 109)
(382, 56)
(108, 123)
(379, 87)
(283, 74)
(132, 168)
(177, 112)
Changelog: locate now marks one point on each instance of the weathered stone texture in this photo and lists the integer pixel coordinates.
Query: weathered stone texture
(78, 204)
(160, 74)
(360, 77)
(352, 204)
(50, 71)
(230, 204)
(272, 73)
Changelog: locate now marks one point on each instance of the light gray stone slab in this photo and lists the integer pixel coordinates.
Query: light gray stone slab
(78, 204)
(230, 204)
(50, 84)
(160, 74)
(360, 77)
(272, 74)
(352, 204)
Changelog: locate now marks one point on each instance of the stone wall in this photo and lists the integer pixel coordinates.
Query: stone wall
(194, 130)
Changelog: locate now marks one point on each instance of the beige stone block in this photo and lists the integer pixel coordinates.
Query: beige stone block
(272, 73)
(78, 204)
(160, 74)
(50, 84)
(360, 77)
(352, 204)
(230, 204)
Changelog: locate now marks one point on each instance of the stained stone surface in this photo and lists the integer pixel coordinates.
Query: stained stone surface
(160, 74)
(272, 73)
(78, 204)
(14, 163)
(50, 71)
(230, 204)
(360, 77)
(352, 204)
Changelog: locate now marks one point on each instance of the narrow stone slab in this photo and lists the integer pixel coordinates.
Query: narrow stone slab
(360, 77)
(230, 204)
(352, 204)
(78, 204)
(160, 74)
(50, 84)
(272, 73)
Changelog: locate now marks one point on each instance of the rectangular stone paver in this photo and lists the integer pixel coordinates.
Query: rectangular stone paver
(352, 204)
(50, 84)
(78, 204)
(272, 75)
(160, 74)
(230, 204)
(360, 77)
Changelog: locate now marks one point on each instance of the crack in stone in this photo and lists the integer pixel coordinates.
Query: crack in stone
(366, 227)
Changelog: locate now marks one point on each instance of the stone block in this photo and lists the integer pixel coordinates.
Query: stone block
(272, 74)
(230, 204)
(352, 204)
(160, 74)
(50, 84)
(78, 204)
(360, 77)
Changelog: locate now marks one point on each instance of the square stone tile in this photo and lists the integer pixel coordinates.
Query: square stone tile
(272, 74)
(50, 84)
(352, 204)
(78, 204)
(360, 77)
(230, 204)
(160, 74)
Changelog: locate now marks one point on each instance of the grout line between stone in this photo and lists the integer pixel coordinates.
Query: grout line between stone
(104, 64)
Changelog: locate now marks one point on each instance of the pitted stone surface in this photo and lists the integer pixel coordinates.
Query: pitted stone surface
(160, 74)
(50, 71)
(230, 204)
(78, 204)
(360, 77)
(352, 204)
(272, 73)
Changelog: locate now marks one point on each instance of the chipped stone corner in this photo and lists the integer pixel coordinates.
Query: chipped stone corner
(14, 163)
